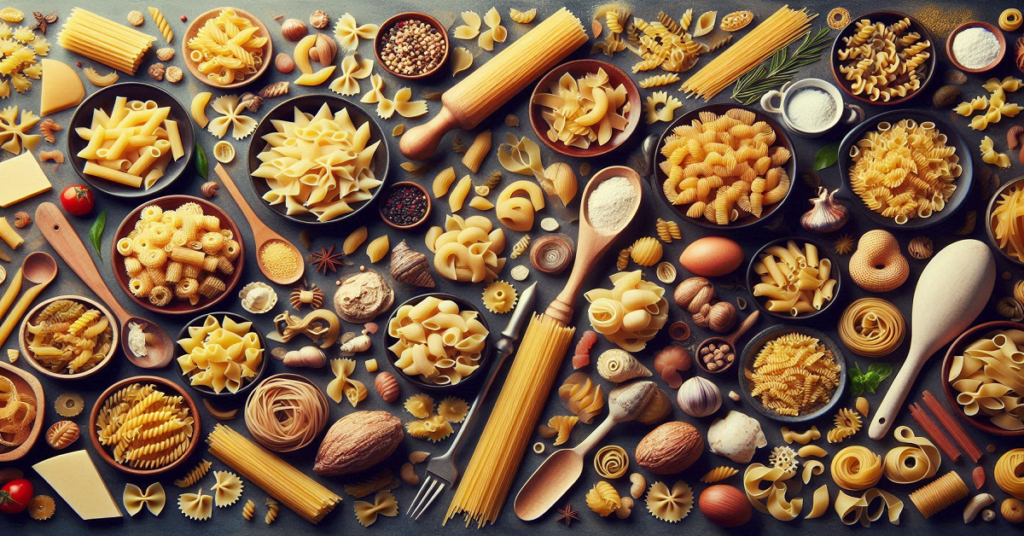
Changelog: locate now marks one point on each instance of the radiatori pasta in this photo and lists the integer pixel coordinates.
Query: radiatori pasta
(143, 427)
(988, 377)
(227, 48)
(794, 279)
(221, 354)
(630, 313)
(68, 337)
(904, 170)
(467, 249)
(436, 341)
(302, 159)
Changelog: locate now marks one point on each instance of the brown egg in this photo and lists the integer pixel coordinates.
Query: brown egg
(712, 256)
(725, 506)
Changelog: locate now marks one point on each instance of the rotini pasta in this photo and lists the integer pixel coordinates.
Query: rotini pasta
(580, 395)
(884, 62)
(228, 48)
(69, 336)
(793, 374)
(560, 428)
(436, 341)
(161, 24)
(630, 313)
(520, 247)
(143, 427)
(220, 355)
(668, 231)
(658, 80)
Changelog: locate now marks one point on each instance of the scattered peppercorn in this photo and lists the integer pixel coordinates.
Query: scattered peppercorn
(78, 63)
(405, 205)
(184, 18)
(412, 47)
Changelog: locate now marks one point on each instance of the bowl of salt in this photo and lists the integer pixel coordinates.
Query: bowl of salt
(811, 107)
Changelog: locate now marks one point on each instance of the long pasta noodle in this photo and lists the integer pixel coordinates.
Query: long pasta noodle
(1009, 472)
(103, 40)
(872, 327)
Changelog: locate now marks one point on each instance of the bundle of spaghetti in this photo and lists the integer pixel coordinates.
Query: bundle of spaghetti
(939, 494)
(504, 439)
(776, 32)
(103, 40)
(286, 412)
(1009, 473)
(279, 479)
(949, 423)
(940, 439)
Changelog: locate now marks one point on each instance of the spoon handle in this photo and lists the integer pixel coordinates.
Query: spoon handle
(19, 310)
(596, 436)
(901, 385)
(12, 292)
(744, 327)
(255, 223)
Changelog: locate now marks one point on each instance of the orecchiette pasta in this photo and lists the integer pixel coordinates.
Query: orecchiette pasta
(630, 313)
(794, 279)
(467, 249)
(221, 355)
(436, 341)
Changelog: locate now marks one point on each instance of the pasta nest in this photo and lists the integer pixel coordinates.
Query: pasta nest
(499, 297)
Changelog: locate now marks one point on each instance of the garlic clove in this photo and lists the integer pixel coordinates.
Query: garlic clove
(826, 214)
(698, 397)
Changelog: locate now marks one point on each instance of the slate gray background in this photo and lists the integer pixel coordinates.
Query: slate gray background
(229, 521)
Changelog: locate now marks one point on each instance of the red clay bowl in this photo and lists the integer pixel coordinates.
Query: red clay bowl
(957, 348)
(976, 24)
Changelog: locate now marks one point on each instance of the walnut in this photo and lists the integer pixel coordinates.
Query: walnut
(319, 19)
(357, 442)
(135, 18)
(165, 54)
(156, 71)
(174, 74)
(251, 102)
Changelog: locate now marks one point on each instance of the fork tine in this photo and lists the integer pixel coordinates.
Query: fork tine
(430, 500)
(428, 482)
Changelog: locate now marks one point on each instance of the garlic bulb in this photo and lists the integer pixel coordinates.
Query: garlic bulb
(827, 214)
(699, 397)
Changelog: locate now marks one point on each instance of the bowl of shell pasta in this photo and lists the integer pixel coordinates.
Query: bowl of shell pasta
(69, 337)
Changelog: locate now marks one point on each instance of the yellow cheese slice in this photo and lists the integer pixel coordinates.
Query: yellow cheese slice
(62, 88)
(21, 178)
(74, 477)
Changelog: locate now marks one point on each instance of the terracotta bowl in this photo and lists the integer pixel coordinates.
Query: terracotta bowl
(957, 348)
(976, 24)
(197, 24)
(177, 307)
(577, 69)
(206, 391)
(378, 42)
(885, 17)
(168, 387)
(1015, 185)
(824, 252)
(24, 338)
(406, 184)
(25, 383)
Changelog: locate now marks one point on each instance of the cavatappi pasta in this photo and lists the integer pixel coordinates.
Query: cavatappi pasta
(467, 249)
(904, 170)
(630, 313)
(69, 337)
(884, 62)
(724, 167)
(144, 427)
(227, 48)
(301, 160)
(1008, 221)
(583, 111)
(436, 341)
(221, 354)
(131, 145)
(793, 374)
(988, 377)
(794, 279)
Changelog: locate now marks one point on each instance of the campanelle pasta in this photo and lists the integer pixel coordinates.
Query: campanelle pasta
(227, 48)
(467, 249)
(221, 355)
(630, 313)
(437, 341)
(794, 279)
(319, 164)
(989, 378)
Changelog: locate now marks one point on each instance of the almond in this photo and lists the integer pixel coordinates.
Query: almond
(669, 448)
(284, 63)
(357, 442)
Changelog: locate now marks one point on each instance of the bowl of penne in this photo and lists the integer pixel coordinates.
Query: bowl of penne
(130, 140)
(177, 255)
(221, 338)
(69, 337)
(227, 48)
(794, 278)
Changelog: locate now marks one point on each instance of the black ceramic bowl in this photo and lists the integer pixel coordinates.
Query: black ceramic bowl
(310, 104)
(104, 100)
(823, 253)
(754, 347)
(658, 177)
(418, 381)
(954, 139)
(249, 382)
(1014, 185)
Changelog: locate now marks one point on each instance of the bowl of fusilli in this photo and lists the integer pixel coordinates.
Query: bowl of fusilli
(69, 337)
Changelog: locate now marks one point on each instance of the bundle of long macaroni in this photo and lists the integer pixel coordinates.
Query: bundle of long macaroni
(493, 467)
(777, 31)
(278, 478)
(103, 40)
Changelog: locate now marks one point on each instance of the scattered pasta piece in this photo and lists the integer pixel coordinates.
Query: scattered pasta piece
(348, 33)
(668, 505)
(611, 461)
(227, 489)
(100, 80)
(434, 428)
(499, 297)
(847, 423)
(856, 468)
(522, 17)
(384, 504)
(989, 155)
(196, 506)
(583, 397)
(343, 384)
(462, 60)
(153, 499)
(420, 406)
(471, 28)
(603, 499)
(803, 438)
(194, 475)
(660, 106)
(559, 427)
(719, 474)
(453, 409)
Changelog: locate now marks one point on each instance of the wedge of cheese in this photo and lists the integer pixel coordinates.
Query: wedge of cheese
(21, 178)
(62, 88)
(74, 477)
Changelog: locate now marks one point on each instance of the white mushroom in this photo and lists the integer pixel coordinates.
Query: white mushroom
(736, 437)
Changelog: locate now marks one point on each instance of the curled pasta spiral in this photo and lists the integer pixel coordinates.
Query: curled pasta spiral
(611, 461)
(847, 423)
(856, 468)
(915, 460)
(582, 396)
(1009, 472)
(872, 327)
(719, 474)
(603, 499)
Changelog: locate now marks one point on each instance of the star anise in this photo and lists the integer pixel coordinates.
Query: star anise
(326, 259)
(568, 515)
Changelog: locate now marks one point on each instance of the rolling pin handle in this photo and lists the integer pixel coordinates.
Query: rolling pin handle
(420, 143)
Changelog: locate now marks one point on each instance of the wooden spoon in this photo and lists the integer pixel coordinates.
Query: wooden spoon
(951, 293)
(593, 242)
(563, 468)
(730, 340)
(261, 234)
(38, 268)
(63, 239)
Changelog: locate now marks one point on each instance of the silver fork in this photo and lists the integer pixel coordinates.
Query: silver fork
(442, 471)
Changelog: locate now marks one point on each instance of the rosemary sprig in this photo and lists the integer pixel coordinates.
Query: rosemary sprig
(780, 68)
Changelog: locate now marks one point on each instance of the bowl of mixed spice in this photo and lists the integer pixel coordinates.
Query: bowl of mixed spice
(405, 205)
(411, 45)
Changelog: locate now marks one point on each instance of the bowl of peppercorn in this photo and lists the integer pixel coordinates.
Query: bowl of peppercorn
(405, 205)
(411, 45)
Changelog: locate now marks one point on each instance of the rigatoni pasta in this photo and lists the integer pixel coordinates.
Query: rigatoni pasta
(794, 279)
(437, 341)
(227, 48)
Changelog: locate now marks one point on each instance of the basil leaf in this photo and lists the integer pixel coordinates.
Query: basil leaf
(827, 156)
(96, 232)
(202, 165)
(883, 370)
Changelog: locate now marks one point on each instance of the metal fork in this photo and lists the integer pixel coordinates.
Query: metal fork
(442, 471)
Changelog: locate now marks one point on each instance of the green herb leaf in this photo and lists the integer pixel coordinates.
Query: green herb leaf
(856, 380)
(96, 232)
(780, 68)
(827, 156)
(202, 165)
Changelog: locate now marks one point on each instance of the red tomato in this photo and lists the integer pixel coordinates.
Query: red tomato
(15, 495)
(77, 200)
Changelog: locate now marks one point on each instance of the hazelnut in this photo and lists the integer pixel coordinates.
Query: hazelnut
(156, 71)
(284, 63)
(293, 29)
(165, 54)
(319, 19)
(324, 50)
(174, 74)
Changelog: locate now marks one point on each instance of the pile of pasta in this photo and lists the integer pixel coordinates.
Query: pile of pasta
(180, 254)
(228, 48)
(19, 49)
(883, 62)
(144, 427)
(724, 167)
(105, 41)
(17, 413)
(989, 379)
(580, 112)
(221, 355)
(320, 164)
(794, 279)
(904, 170)
(1008, 221)
(467, 249)
(132, 145)
(69, 337)
(793, 374)
(993, 105)
(436, 341)
(630, 313)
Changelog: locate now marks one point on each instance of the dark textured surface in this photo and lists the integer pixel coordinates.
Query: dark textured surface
(229, 520)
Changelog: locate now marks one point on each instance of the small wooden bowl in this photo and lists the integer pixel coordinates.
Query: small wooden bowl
(197, 24)
(976, 24)
(28, 384)
(177, 307)
(168, 387)
(405, 184)
(378, 42)
(578, 69)
(249, 383)
(1015, 184)
(823, 253)
(24, 336)
(957, 348)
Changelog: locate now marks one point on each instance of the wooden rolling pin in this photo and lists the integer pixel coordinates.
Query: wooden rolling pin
(952, 291)
(485, 90)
